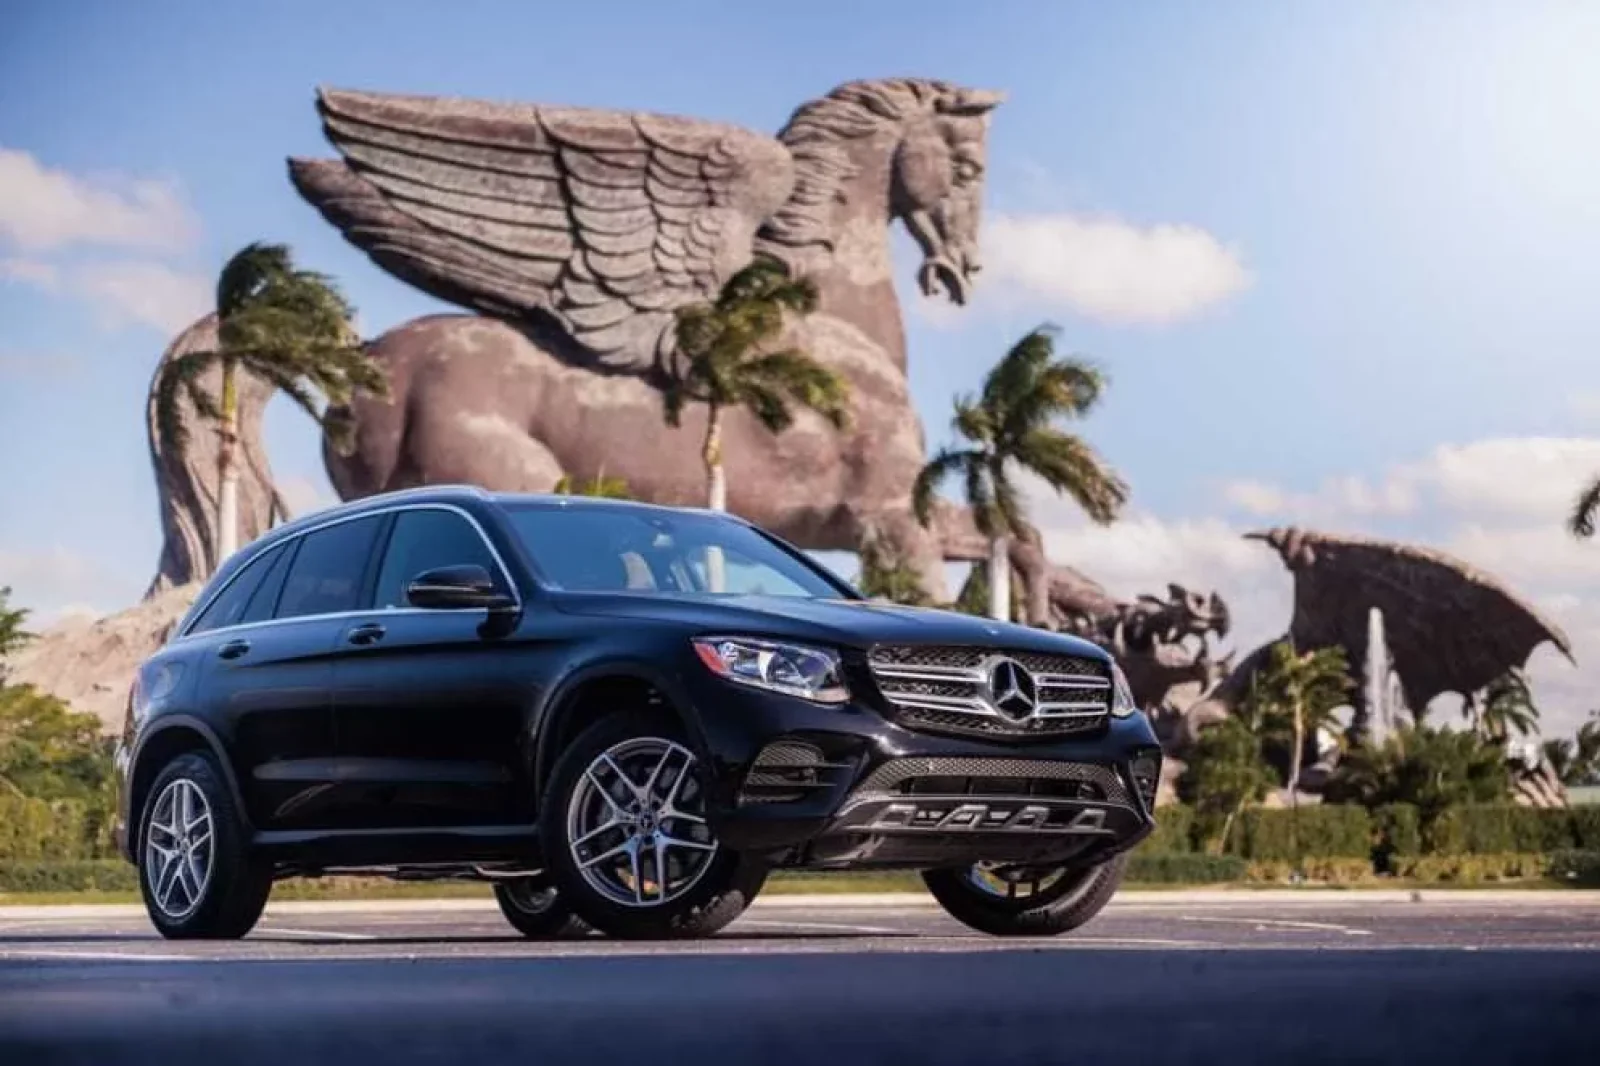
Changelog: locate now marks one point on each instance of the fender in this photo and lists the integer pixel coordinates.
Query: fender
(167, 722)
(622, 667)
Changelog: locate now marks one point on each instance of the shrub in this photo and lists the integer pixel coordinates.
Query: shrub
(1398, 829)
(1576, 867)
(1174, 832)
(1178, 868)
(1320, 831)
(1541, 829)
(1322, 871)
(105, 875)
(1585, 822)
(1496, 829)
(61, 829)
(1473, 869)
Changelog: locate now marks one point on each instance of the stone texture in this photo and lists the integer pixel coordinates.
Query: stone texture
(187, 483)
(577, 232)
(90, 663)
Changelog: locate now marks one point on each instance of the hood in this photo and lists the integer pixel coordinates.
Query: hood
(845, 623)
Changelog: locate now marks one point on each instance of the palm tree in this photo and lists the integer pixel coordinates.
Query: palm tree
(727, 364)
(1298, 696)
(1008, 426)
(290, 328)
(1585, 509)
(1505, 706)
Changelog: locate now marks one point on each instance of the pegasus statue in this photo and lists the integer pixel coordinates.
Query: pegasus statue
(574, 234)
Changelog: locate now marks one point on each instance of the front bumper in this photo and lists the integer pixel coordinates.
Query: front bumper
(847, 787)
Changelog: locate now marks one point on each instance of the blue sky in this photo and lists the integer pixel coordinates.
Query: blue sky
(1408, 192)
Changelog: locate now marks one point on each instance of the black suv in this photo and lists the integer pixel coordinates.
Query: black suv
(621, 716)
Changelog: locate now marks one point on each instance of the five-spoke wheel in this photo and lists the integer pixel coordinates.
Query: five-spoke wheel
(629, 845)
(1024, 900)
(196, 872)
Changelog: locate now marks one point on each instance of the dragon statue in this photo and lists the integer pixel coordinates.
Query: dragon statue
(574, 234)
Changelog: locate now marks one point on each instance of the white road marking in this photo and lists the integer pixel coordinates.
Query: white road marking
(827, 927)
(1265, 924)
(320, 934)
(98, 956)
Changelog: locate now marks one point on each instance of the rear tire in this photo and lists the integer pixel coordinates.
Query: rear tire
(536, 909)
(625, 794)
(196, 874)
(1063, 900)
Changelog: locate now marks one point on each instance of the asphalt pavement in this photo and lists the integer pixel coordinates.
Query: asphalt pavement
(1196, 978)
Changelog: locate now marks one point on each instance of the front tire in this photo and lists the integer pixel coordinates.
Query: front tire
(196, 874)
(536, 909)
(1025, 901)
(629, 848)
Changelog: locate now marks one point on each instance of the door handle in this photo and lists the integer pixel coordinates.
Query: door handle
(367, 634)
(233, 649)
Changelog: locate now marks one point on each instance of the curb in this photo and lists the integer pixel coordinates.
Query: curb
(1134, 900)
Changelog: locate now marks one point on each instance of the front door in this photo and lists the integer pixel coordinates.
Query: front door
(429, 704)
(269, 670)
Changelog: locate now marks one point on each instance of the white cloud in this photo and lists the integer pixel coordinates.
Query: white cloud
(55, 583)
(144, 292)
(30, 272)
(1109, 269)
(42, 208)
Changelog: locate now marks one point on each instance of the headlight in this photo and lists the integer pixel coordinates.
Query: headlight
(1122, 703)
(793, 669)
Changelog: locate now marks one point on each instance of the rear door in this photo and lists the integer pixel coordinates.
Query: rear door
(430, 703)
(270, 676)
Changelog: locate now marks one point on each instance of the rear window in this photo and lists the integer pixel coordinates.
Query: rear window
(229, 606)
(325, 577)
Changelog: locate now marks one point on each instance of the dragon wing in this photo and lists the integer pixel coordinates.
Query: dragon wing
(602, 221)
(1450, 628)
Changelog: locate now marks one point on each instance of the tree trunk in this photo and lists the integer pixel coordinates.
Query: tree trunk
(228, 465)
(711, 453)
(716, 494)
(1000, 579)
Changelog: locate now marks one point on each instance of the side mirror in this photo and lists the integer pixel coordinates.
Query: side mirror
(456, 588)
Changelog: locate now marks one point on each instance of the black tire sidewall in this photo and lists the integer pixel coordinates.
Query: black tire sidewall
(723, 891)
(238, 889)
(552, 921)
(1066, 907)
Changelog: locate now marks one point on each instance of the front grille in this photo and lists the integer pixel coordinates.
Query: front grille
(957, 776)
(944, 689)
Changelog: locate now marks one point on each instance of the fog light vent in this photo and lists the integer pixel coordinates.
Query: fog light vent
(1146, 773)
(786, 771)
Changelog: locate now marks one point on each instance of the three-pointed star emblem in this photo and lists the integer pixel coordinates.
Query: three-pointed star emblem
(1012, 690)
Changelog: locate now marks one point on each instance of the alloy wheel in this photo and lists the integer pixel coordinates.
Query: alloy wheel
(636, 824)
(179, 849)
(1013, 882)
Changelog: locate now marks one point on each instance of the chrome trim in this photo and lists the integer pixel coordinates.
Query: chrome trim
(1071, 680)
(927, 673)
(895, 679)
(375, 512)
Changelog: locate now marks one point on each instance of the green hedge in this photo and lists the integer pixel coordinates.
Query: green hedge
(1180, 868)
(1398, 831)
(1173, 834)
(1498, 829)
(1576, 867)
(81, 875)
(1326, 831)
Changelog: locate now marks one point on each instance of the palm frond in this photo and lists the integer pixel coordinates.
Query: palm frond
(1013, 376)
(980, 499)
(972, 421)
(768, 404)
(1070, 466)
(251, 269)
(1581, 523)
(1065, 388)
(804, 380)
(931, 476)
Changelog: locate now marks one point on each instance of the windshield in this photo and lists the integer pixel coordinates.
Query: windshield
(601, 549)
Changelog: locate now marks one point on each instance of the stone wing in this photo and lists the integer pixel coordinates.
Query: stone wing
(1450, 628)
(601, 221)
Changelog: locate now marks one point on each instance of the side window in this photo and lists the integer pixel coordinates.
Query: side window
(325, 576)
(259, 609)
(426, 539)
(228, 608)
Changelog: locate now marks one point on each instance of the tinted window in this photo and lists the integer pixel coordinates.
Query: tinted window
(425, 540)
(601, 549)
(325, 576)
(229, 607)
(265, 597)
